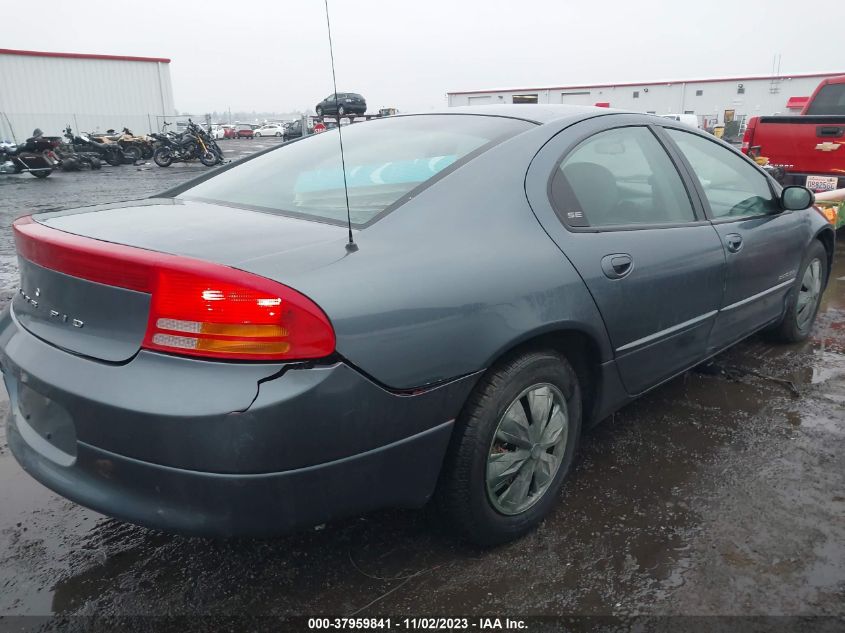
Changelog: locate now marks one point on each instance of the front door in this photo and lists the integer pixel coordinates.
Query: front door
(617, 206)
(763, 244)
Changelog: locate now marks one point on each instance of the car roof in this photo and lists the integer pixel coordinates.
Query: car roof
(538, 113)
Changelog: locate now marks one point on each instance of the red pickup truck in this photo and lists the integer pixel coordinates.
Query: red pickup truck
(808, 146)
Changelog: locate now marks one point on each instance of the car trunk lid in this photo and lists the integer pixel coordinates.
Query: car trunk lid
(86, 280)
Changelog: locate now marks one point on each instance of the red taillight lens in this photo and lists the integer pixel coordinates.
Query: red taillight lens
(197, 308)
(748, 136)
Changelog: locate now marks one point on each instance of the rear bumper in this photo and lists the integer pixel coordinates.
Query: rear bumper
(225, 505)
(220, 449)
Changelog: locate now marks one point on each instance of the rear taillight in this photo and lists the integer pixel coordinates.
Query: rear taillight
(197, 308)
(748, 137)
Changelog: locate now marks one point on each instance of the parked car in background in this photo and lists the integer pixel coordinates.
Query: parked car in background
(342, 104)
(243, 130)
(809, 147)
(282, 379)
(686, 119)
(223, 131)
(271, 129)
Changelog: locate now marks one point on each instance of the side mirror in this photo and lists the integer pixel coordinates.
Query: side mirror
(796, 198)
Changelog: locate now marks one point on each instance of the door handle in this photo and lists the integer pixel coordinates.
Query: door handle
(734, 242)
(617, 265)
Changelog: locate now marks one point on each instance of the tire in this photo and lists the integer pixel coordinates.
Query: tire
(796, 324)
(319, 111)
(163, 157)
(43, 173)
(278, 133)
(258, 134)
(479, 512)
(209, 158)
(132, 152)
(147, 152)
(95, 162)
(115, 159)
(340, 112)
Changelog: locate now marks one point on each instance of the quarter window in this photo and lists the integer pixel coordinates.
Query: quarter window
(620, 177)
(733, 187)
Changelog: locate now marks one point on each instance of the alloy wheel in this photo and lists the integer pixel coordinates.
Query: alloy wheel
(527, 449)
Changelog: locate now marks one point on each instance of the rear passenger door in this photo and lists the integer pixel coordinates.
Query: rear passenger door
(611, 196)
(763, 244)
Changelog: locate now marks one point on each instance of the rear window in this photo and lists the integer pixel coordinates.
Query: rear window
(829, 100)
(385, 160)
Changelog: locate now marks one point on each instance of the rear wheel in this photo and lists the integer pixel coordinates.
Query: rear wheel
(804, 300)
(512, 447)
(163, 157)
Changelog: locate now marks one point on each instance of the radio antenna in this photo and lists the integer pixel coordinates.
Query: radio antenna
(351, 246)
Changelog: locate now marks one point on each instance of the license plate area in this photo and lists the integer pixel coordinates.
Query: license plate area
(44, 424)
(822, 183)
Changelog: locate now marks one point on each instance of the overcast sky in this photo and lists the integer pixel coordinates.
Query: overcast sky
(274, 56)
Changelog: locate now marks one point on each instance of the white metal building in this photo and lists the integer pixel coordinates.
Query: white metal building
(707, 98)
(91, 93)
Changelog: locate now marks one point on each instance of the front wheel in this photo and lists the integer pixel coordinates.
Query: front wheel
(278, 133)
(512, 447)
(209, 158)
(163, 157)
(258, 133)
(803, 303)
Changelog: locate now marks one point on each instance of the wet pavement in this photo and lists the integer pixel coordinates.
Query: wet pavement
(722, 492)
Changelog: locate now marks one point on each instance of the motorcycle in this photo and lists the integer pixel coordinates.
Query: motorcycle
(35, 157)
(109, 152)
(71, 160)
(193, 143)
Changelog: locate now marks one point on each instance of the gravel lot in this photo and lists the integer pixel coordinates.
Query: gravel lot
(718, 493)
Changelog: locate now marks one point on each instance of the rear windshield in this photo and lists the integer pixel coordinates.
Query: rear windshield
(385, 160)
(829, 100)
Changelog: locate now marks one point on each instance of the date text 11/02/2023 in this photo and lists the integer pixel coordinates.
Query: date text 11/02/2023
(424, 623)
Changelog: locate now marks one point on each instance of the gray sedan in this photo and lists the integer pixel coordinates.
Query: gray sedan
(233, 358)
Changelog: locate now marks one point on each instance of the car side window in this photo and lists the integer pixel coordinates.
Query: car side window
(733, 187)
(620, 177)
